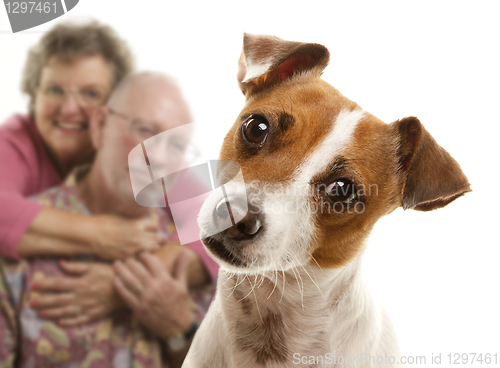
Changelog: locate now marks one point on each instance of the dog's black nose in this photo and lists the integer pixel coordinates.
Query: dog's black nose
(246, 228)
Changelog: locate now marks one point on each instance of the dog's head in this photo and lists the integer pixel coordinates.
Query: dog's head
(318, 170)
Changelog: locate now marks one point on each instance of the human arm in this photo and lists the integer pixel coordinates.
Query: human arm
(58, 232)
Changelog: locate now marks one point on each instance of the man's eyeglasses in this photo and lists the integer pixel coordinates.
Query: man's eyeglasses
(140, 129)
(178, 145)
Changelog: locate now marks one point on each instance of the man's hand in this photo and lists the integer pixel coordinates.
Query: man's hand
(160, 301)
(197, 274)
(77, 300)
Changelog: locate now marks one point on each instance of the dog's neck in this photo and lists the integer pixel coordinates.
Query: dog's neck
(297, 286)
(332, 305)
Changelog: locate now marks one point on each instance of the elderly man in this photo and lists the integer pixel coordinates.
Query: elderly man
(81, 319)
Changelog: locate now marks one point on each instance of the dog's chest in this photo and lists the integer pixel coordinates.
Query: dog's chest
(268, 325)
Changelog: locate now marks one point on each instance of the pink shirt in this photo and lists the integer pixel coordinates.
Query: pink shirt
(25, 170)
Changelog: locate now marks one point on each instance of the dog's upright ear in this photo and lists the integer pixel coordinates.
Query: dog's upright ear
(431, 177)
(267, 60)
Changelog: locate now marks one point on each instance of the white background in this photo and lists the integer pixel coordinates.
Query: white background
(437, 274)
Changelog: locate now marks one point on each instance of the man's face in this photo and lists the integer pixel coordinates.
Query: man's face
(143, 112)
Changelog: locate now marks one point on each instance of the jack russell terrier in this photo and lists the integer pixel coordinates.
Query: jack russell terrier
(319, 172)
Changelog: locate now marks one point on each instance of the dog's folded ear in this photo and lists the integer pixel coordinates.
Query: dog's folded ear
(266, 60)
(431, 177)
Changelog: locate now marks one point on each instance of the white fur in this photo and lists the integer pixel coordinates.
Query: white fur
(337, 140)
(255, 70)
(303, 297)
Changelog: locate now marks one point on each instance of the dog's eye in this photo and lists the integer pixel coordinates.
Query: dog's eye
(342, 190)
(255, 129)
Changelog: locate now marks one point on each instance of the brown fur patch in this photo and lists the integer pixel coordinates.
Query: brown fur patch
(433, 178)
(265, 339)
(311, 102)
(371, 164)
(284, 59)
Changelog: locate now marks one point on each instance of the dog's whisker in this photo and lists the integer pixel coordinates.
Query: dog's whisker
(257, 305)
(293, 268)
(262, 281)
(275, 274)
(275, 284)
(315, 276)
(256, 277)
(307, 273)
(301, 288)
(314, 282)
(284, 282)
(228, 275)
(314, 259)
(236, 284)
(278, 271)
(254, 260)
(246, 277)
(300, 281)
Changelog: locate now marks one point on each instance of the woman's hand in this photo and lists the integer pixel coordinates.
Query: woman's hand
(160, 301)
(87, 296)
(118, 238)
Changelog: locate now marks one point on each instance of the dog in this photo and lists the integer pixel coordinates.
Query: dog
(319, 171)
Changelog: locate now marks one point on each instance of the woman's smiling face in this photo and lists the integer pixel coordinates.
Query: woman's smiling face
(67, 95)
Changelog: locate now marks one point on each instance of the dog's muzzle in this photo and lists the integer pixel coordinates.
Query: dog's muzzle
(229, 244)
(245, 229)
